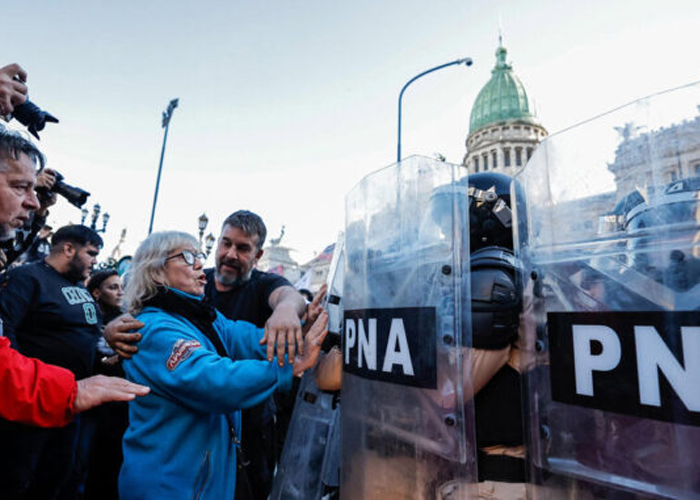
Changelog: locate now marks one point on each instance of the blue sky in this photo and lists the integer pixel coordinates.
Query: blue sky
(286, 105)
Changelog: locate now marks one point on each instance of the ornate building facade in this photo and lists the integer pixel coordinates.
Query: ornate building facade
(503, 130)
(656, 157)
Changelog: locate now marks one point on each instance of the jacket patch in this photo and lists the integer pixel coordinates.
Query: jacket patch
(182, 349)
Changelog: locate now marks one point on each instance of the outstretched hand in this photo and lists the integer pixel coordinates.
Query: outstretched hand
(99, 389)
(312, 346)
(282, 332)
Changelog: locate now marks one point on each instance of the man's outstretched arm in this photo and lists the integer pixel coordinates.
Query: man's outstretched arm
(43, 395)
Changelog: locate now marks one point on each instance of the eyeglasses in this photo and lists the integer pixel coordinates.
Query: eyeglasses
(189, 257)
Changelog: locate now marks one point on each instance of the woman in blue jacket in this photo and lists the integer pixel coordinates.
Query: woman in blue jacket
(202, 369)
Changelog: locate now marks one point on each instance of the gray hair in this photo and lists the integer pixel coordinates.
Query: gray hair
(248, 222)
(147, 272)
(12, 144)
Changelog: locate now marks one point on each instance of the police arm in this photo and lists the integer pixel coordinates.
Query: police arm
(484, 365)
(283, 328)
(121, 335)
(478, 368)
(13, 90)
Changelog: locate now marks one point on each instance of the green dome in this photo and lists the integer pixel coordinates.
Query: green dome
(502, 98)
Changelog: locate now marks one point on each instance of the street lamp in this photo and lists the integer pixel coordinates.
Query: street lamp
(209, 243)
(202, 224)
(167, 115)
(105, 220)
(465, 60)
(96, 211)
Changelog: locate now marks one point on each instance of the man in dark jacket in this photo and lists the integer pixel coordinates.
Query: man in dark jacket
(241, 292)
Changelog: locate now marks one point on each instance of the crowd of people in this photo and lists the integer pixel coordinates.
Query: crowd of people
(203, 357)
(199, 354)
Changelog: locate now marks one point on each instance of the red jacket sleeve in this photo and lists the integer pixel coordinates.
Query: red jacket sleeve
(32, 392)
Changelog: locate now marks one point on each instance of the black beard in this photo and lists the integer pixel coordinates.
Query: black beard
(75, 271)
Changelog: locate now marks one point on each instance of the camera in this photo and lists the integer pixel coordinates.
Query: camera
(34, 118)
(74, 195)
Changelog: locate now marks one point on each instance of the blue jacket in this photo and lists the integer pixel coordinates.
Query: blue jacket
(178, 444)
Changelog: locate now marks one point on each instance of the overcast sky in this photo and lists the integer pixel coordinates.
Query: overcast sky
(285, 105)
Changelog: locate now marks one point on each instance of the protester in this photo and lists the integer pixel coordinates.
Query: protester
(203, 369)
(106, 288)
(17, 249)
(241, 292)
(35, 393)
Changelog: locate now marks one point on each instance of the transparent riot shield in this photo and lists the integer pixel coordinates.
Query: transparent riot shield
(334, 287)
(309, 466)
(407, 426)
(609, 229)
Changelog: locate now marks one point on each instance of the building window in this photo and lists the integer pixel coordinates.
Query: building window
(476, 164)
(506, 157)
(518, 157)
(486, 162)
(529, 153)
(696, 169)
(494, 156)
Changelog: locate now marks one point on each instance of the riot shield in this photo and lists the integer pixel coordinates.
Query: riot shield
(334, 287)
(309, 466)
(609, 229)
(407, 420)
(309, 463)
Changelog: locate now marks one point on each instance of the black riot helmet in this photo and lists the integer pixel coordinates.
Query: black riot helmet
(490, 216)
(496, 292)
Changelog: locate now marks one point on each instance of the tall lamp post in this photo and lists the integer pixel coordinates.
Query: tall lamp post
(202, 225)
(96, 210)
(465, 60)
(209, 243)
(167, 115)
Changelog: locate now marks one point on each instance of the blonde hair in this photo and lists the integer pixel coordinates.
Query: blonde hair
(147, 272)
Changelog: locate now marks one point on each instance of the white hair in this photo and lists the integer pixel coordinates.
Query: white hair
(147, 272)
